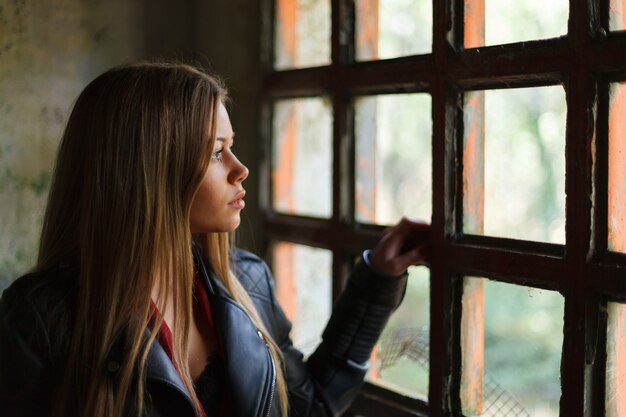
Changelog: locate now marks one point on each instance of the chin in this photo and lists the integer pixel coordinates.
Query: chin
(225, 227)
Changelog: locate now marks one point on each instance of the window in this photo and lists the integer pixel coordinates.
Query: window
(505, 125)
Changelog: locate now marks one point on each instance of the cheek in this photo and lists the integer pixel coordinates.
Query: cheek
(208, 194)
(201, 211)
(205, 197)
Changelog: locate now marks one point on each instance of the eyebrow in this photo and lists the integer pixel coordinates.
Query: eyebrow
(223, 139)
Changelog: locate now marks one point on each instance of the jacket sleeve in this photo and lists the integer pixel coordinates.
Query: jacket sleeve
(330, 380)
(24, 352)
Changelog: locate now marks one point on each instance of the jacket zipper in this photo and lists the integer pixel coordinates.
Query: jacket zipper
(273, 385)
(273, 388)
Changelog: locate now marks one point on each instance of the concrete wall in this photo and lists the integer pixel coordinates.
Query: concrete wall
(50, 50)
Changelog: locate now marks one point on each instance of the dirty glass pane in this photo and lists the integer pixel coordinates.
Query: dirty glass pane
(400, 359)
(302, 33)
(520, 20)
(524, 164)
(617, 15)
(302, 157)
(392, 28)
(523, 336)
(616, 361)
(393, 157)
(304, 290)
(617, 168)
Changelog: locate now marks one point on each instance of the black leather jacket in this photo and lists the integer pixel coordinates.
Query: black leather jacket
(31, 347)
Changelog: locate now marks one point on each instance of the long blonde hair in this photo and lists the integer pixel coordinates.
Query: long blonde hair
(131, 159)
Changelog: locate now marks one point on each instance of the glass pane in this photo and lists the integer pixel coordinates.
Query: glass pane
(302, 157)
(304, 290)
(617, 169)
(617, 17)
(392, 28)
(400, 359)
(616, 361)
(302, 37)
(393, 157)
(516, 21)
(523, 336)
(524, 168)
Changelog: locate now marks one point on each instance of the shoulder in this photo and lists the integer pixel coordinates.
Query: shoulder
(242, 255)
(33, 346)
(38, 305)
(253, 273)
(40, 290)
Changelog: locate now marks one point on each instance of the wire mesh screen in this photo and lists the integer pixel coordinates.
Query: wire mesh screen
(413, 343)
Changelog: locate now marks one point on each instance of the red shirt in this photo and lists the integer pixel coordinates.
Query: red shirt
(201, 305)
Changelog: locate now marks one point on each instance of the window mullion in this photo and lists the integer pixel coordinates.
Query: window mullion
(444, 116)
(440, 366)
(342, 39)
(581, 307)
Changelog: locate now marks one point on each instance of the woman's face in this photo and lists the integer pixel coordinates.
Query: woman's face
(219, 199)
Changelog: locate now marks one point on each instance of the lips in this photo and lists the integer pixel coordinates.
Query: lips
(238, 201)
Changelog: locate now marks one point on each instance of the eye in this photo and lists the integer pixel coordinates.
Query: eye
(217, 155)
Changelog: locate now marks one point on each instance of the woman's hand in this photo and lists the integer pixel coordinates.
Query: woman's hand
(402, 245)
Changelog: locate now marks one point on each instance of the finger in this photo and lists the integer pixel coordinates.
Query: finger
(387, 230)
(399, 264)
(414, 234)
(394, 244)
(384, 236)
(427, 254)
(400, 238)
(415, 226)
(415, 256)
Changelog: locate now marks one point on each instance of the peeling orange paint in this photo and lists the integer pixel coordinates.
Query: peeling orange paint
(284, 170)
(367, 12)
(616, 376)
(286, 136)
(616, 364)
(618, 17)
(474, 33)
(617, 170)
(285, 273)
(366, 195)
(367, 172)
(473, 346)
(367, 31)
(474, 163)
(282, 181)
(473, 314)
(287, 19)
(472, 324)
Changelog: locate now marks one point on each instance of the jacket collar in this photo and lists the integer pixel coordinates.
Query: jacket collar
(250, 369)
(160, 368)
(247, 361)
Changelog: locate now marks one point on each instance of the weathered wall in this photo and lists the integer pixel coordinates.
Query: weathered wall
(49, 50)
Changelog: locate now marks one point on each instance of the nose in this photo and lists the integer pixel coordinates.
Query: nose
(238, 171)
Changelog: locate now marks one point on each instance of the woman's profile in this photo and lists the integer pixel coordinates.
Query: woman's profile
(140, 306)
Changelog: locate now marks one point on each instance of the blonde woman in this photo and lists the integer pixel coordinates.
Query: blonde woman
(138, 306)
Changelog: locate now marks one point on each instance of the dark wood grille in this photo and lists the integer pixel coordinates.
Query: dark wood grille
(583, 270)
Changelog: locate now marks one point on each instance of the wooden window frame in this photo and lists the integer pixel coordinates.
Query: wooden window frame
(584, 61)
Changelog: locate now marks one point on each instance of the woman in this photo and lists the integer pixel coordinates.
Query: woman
(138, 305)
